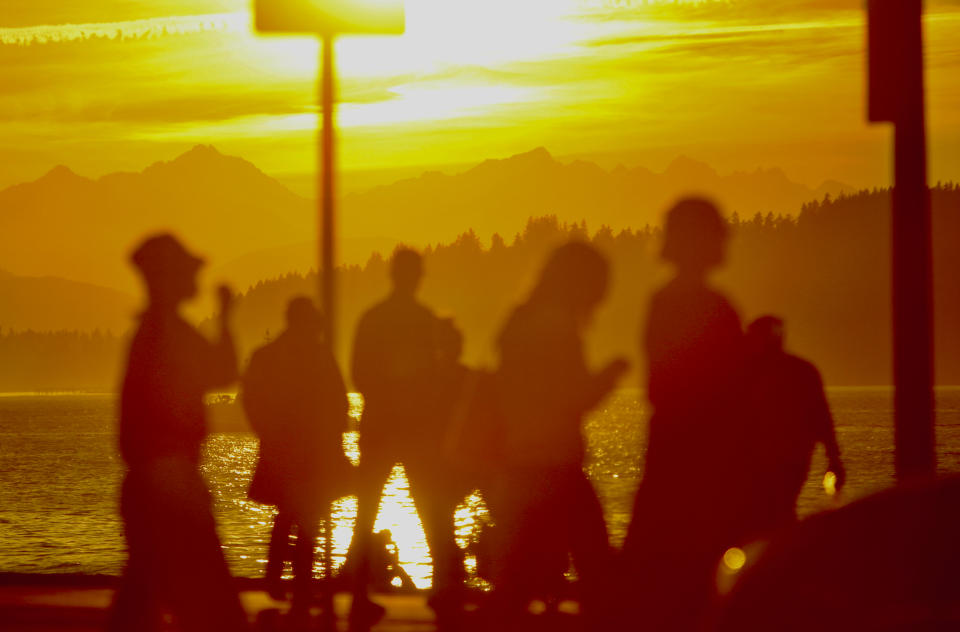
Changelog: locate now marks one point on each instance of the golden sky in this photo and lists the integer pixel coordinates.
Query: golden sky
(108, 85)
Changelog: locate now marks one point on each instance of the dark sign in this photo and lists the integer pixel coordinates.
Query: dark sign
(890, 50)
(330, 17)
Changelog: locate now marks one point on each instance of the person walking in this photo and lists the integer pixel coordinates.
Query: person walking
(175, 562)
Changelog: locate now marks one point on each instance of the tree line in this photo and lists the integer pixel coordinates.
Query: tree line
(826, 271)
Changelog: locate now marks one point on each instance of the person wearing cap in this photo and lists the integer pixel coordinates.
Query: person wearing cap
(683, 511)
(296, 401)
(175, 560)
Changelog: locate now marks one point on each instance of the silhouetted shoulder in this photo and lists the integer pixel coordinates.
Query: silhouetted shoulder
(391, 316)
(694, 319)
(803, 370)
(528, 327)
(709, 303)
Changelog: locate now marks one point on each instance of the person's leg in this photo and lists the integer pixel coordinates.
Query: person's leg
(373, 473)
(278, 553)
(435, 499)
(522, 529)
(303, 564)
(135, 603)
(203, 595)
(588, 541)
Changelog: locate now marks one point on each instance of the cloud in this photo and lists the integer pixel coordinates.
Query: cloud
(121, 30)
(33, 13)
(203, 76)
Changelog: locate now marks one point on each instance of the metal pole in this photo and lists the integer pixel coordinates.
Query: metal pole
(326, 271)
(326, 224)
(912, 267)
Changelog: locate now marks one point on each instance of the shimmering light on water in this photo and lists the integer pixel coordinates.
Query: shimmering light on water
(59, 476)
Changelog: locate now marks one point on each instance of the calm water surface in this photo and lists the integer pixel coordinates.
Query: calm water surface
(59, 473)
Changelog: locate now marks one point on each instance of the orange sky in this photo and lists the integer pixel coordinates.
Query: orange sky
(740, 84)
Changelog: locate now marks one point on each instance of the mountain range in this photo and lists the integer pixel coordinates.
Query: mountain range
(55, 304)
(497, 196)
(66, 225)
(65, 238)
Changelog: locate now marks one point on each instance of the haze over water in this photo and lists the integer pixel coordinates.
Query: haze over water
(60, 471)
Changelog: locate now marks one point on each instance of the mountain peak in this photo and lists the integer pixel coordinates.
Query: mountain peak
(538, 154)
(204, 160)
(538, 157)
(60, 174)
(201, 150)
(688, 168)
(199, 154)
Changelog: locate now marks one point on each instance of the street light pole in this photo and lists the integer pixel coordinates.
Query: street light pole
(896, 95)
(912, 267)
(326, 19)
(326, 272)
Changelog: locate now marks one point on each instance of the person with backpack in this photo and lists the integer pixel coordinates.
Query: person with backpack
(295, 399)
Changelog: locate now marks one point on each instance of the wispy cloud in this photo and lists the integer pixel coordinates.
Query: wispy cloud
(146, 27)
(32, 13)
(483, 77)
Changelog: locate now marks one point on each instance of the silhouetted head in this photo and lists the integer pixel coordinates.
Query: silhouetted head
(406, 270)
(449, 341)
(695, 236)
(765, 336)
(303, 317)
(575, 278)
(168, 269)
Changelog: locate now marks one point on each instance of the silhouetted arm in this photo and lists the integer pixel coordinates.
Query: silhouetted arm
(604, 381)
(223, 357)
(826, 433)
(363, 355)
(253, 386)
(340, 404)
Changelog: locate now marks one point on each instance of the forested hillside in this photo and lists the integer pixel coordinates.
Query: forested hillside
(826, 271)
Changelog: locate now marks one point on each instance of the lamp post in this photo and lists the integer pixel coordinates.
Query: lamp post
(896, 95)
(326, 19)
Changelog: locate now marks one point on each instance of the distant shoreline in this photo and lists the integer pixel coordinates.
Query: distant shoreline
(94, 393)
(55, 393)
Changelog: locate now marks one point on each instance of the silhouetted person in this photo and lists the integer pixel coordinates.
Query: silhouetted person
(175, 560)
(296, 401)
(789, 415)
(545, 506)
(395, 368)
(685, 509)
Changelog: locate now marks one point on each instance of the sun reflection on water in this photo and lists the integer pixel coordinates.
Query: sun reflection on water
(397, 513)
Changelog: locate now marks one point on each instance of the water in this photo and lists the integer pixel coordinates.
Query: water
(59, 475)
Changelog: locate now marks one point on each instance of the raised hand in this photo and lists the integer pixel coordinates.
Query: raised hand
(226, 298)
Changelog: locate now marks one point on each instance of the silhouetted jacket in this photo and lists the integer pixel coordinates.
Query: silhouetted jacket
(394, 366)
(694, 345)
(296, 401)
(789, 414)
(170, 368)
(544, 386)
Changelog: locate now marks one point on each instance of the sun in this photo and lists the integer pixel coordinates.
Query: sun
(439, 34)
